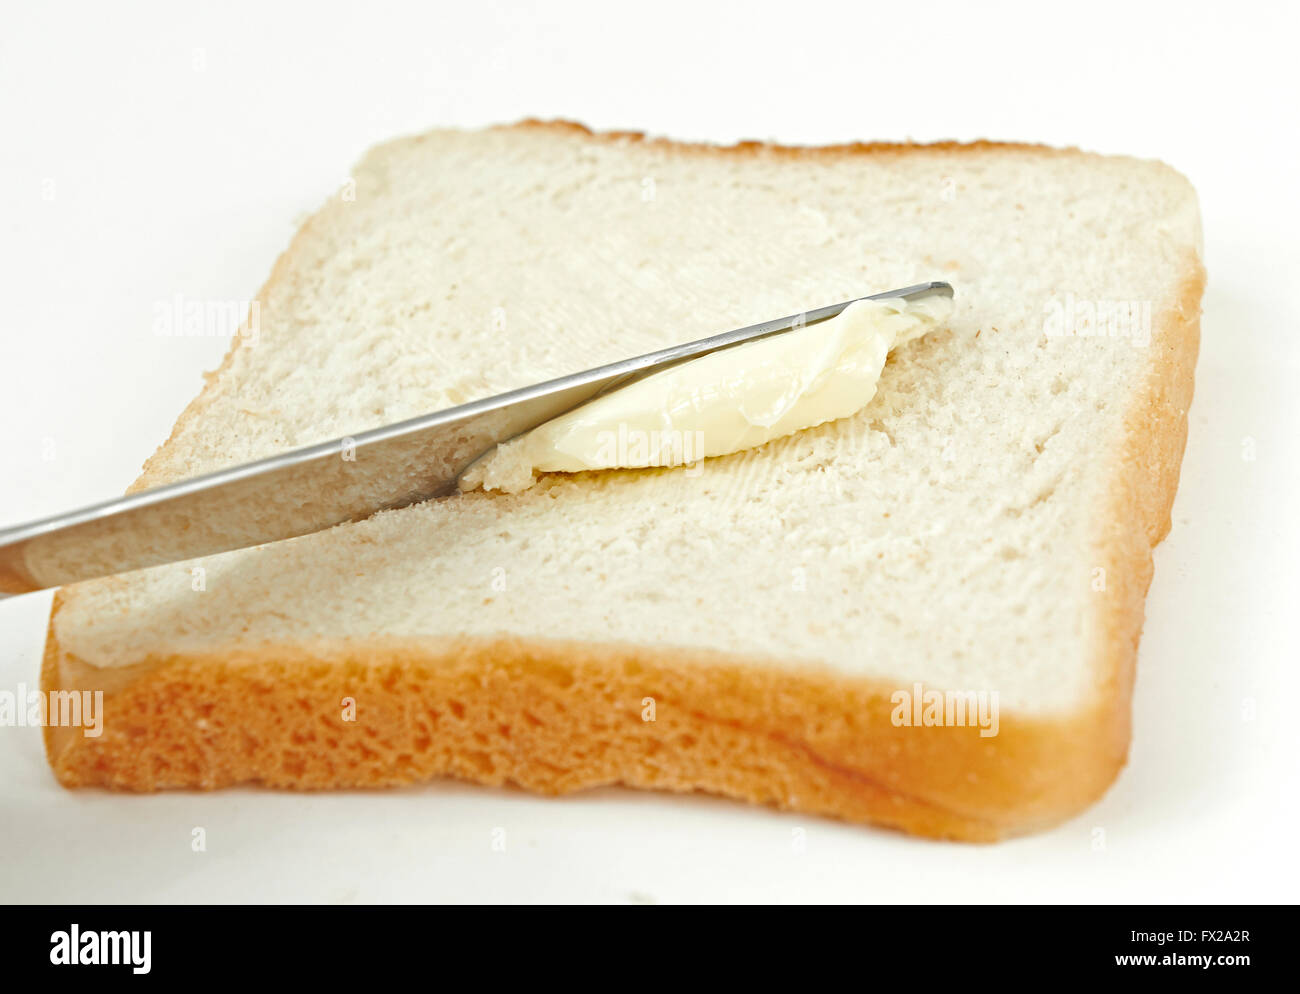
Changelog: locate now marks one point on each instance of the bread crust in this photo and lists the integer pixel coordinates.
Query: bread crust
(558, 717)
(754, 147)
(555, 718)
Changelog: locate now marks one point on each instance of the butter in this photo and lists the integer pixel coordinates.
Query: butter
(724, 402)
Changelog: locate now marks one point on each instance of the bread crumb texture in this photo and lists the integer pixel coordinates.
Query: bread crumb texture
(985, 523)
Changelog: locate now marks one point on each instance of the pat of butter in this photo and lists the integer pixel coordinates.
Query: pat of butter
(735, 399)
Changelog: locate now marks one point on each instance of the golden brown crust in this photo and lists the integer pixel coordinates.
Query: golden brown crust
(554, 718)
(1141, 495)
(752, 146)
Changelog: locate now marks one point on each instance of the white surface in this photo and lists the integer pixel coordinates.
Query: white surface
(181, 148)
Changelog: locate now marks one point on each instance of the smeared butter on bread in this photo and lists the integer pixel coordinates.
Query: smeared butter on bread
(728, 401)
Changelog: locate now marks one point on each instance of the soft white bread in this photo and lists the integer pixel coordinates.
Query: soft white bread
(984, 524)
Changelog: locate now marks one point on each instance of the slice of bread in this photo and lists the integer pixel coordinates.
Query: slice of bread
(765, 625)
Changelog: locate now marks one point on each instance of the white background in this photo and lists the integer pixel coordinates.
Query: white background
(146, 151)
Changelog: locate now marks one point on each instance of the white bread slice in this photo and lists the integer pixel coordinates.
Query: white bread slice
(984, 524)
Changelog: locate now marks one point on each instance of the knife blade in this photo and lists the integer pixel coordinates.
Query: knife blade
(345, 479)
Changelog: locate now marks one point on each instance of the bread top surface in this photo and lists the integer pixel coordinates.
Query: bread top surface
(948, 533)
